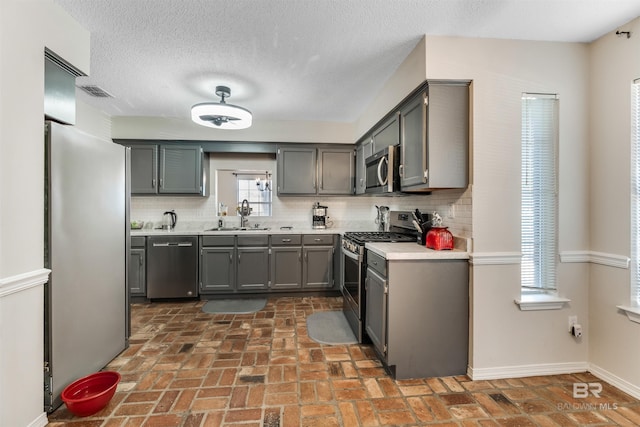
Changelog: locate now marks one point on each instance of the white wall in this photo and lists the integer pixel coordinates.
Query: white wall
(614, 347)
(26, 27)
(507, 341)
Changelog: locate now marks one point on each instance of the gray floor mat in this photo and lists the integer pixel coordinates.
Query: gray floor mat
(234, 306)
(330, 327)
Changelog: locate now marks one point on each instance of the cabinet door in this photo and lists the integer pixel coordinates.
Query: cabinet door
(317, 267)
(137, 268)
(286, 267)
(388, 133)
(217, 270)
(253, 268)
(336, 169)
(448, 136)
(296, 170)
(413, 157)
(144, 172)
(363, 151)
(180, 169)
(376, 310)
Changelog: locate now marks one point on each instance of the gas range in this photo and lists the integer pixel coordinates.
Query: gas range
(378, 236)
(354, 241)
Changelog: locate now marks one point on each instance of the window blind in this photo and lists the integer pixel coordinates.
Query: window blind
(539, 191)
(635, 193)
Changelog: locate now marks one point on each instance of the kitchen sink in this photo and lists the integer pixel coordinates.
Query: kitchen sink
(239, 229)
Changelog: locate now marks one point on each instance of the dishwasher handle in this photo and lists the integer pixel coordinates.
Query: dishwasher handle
(171, 244)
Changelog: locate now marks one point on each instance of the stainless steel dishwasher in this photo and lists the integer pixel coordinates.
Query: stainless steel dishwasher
(172, 267)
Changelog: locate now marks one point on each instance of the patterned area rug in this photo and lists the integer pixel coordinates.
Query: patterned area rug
(330, 327)
(234, 306)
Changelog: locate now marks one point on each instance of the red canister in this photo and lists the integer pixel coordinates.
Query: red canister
(439, 238)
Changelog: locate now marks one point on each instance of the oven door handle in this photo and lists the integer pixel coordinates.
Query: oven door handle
(351, 255)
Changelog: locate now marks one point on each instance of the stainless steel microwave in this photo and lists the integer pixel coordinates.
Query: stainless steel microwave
(382, 171)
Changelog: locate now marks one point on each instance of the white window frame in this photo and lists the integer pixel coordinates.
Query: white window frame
(260, 197)
(539, 197)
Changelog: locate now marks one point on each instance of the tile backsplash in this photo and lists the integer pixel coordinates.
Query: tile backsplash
(345, 212)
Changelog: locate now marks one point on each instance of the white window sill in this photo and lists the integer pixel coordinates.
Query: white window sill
(633, 313)
(541, 302)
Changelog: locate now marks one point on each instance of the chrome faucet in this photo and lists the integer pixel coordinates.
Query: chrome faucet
(245, 211)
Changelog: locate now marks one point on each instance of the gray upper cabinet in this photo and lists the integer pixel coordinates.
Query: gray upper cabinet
(180, 170)
(144, 169)
(364, 149)
(336, 169)
(388, 133)
(304, 170)
(296, 168)
(434, 138)
(168, 169)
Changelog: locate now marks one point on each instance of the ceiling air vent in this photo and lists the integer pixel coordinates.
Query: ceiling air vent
(96, 91)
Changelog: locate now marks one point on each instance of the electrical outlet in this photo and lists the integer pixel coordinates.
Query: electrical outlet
(451, 210)
(572, 321)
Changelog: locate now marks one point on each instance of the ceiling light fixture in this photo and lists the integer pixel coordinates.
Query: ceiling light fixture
(220, 115)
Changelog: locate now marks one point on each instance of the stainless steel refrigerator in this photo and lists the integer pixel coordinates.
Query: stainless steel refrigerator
(86, 247)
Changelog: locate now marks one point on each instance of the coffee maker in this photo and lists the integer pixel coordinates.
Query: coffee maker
(319, 216)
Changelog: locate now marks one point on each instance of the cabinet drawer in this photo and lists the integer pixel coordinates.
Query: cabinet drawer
(253, 240)
(286, 239)
(377, 263)
(318, 239)
(218, 241)
(138, 241)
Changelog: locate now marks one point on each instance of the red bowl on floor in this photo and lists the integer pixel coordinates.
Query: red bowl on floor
(90, 394)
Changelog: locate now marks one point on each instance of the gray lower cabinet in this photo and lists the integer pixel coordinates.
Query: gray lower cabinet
(253, 263)
(286, 262)
(376, 310)
(137, 267)
(261, 263)
(217, 264)
(417, 315)
(317, 266)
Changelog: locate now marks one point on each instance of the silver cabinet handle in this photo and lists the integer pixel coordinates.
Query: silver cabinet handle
(317, 240)
(230, 258)
(286, 240)
(161, 183)
(153, 183)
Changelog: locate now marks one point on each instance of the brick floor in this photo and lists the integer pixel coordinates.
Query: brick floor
(192, 369)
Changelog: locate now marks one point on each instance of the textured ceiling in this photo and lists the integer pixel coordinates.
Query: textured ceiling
(296, 59)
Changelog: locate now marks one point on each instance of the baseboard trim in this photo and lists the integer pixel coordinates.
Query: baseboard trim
(22, 282)
(614, 380)
(526, 370)
(40, 421)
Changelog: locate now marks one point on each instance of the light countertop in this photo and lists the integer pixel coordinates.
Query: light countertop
(413, 251)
